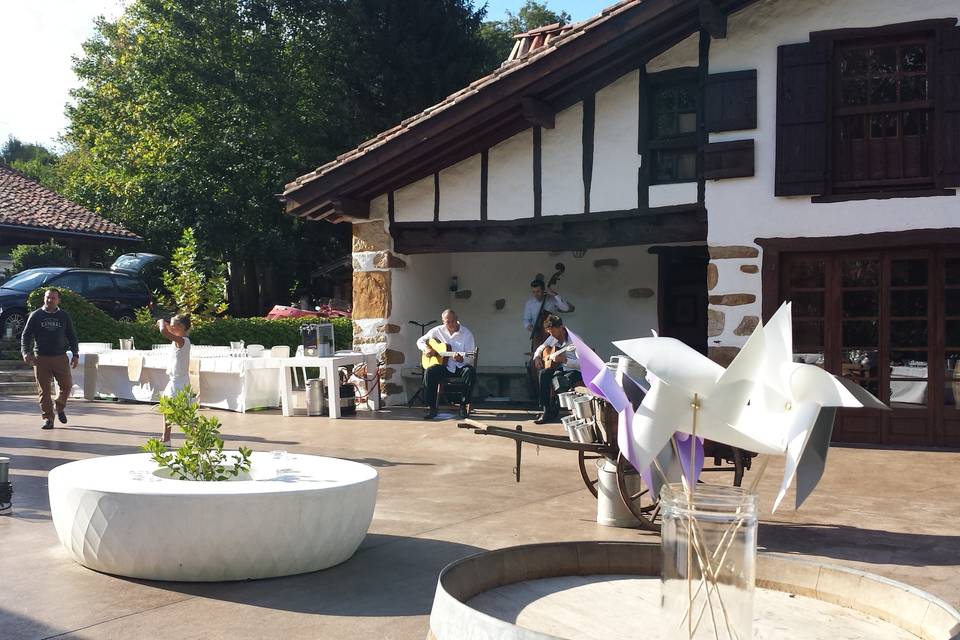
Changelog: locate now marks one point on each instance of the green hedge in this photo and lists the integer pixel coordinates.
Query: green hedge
(93, 325)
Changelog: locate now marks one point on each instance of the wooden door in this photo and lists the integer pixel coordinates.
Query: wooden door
(683, 295)
(889, 321)
(949, 432)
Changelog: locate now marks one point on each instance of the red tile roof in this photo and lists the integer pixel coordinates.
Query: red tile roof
(26, 203)
(568, 33)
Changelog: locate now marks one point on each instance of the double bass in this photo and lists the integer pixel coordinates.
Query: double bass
(538, 334)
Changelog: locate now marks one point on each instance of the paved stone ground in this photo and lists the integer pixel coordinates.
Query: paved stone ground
(444, 493)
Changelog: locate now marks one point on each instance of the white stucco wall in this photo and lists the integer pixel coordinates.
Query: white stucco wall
(616, 160)
(414, 202)
(460, 190)
(510, 178)
(604, 311)
(684, 54)
(562, 163)
(420, 292)
(741, 210)
(665, 195)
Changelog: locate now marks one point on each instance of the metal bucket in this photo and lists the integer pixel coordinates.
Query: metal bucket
(583, 407)
(315, 397)
(584, 433)
(566, 399)
(126, 344)
(568, 424)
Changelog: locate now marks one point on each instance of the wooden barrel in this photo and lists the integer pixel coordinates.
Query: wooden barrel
(889, 609)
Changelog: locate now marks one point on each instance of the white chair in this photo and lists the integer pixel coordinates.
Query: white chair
(280, 351)
(254, 350)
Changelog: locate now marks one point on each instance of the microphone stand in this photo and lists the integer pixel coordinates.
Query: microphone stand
(419, 394)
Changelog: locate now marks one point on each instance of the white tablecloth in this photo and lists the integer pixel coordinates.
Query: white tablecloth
(235, 384)
(908, 391)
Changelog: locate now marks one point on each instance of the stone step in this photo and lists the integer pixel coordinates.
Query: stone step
(18, 388)
(16, 376)
(15, 365)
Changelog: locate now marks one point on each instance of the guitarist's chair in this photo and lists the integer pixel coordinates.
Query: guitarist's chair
(453, 391)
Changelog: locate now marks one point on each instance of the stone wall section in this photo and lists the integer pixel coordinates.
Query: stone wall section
(733, 282)
(373, 264)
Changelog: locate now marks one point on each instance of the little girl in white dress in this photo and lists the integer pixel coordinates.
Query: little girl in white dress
(176, 331)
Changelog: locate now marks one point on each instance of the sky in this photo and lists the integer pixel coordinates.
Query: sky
(40, 36)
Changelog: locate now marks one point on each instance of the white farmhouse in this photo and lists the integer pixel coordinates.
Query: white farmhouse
(692, 163)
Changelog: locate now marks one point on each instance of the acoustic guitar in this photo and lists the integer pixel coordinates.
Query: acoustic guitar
(550, 354)
(443, 353)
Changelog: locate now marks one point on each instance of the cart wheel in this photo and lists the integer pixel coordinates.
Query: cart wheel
(588, 470)
(637, 496)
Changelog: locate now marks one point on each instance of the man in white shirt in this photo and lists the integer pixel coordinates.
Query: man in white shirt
(462, 344)
(564, 365)
(548, 299)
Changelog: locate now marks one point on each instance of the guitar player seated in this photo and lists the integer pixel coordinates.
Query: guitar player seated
(554, 358)
(448, 350)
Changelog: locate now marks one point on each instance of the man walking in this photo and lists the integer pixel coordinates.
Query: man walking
(52, 330)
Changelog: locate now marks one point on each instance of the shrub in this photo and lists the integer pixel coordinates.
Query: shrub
(201, 457)
(93, 325)
(28, 256)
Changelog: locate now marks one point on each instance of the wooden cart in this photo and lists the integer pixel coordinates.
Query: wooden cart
(634, 491)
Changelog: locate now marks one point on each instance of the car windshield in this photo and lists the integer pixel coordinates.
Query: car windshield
(27, 281)
(133, 262)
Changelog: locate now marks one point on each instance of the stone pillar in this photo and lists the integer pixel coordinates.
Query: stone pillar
(373, 262)
(733, 284)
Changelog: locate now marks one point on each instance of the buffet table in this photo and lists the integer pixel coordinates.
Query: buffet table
(225, 381)
(235, 384)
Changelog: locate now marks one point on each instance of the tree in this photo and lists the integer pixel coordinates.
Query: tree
(195, 113)
(197, 289)
(498, 34)
(34, 160)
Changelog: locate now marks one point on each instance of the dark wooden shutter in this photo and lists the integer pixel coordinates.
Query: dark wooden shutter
(731, 101)
(802, 88)
(948, 102)
(733, 159)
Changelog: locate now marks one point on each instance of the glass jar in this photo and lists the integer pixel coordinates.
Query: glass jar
(709, 554)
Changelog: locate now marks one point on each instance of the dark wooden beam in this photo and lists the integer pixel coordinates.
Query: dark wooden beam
(589, 115)
(703, 70)
(350, 208)
(713, 20)
(538, 112)
(537, 172)
(552, 233)
(484, 182)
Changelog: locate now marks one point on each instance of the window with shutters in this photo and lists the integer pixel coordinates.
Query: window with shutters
(867, 113)
(882, 115)
(673, 132)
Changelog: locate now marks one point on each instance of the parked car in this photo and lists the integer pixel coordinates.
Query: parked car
(114, 292)
(149, 267)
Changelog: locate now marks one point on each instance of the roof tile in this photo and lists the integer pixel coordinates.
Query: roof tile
(27, 203)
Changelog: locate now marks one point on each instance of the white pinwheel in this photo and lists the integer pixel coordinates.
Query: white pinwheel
(681, 377)
(789, 401)
(763, 402)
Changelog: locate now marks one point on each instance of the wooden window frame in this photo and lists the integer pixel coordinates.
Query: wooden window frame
(674, 78)
(898, 108)
(929, 30)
